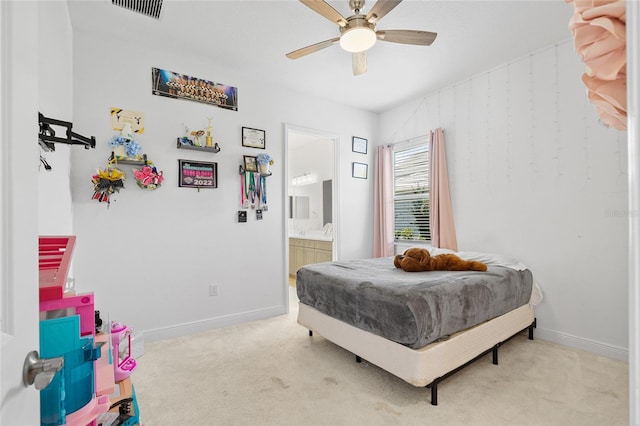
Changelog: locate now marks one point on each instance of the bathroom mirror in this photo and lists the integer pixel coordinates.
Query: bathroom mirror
(299, 207)
(302, 207)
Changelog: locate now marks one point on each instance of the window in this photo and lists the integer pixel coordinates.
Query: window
(411, 191)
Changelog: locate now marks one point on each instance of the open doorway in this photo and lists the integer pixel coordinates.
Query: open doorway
(311, 198)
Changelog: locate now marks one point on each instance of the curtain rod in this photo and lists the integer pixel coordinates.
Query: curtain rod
(413, 139)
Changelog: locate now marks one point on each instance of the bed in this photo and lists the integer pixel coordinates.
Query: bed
(420, 326)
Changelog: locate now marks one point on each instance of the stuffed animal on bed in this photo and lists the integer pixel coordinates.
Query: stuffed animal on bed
(419, 259)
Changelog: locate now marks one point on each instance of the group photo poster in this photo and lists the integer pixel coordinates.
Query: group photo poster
(179, 86)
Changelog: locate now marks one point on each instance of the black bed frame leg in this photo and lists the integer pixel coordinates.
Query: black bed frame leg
(310, 333)
(434, 393)
(531, 327)
(494, 350)
(358, 359)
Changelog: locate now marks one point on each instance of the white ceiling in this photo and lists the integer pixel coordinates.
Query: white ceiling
(254, 36)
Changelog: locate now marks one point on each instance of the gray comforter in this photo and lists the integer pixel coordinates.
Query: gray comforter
(411, 308)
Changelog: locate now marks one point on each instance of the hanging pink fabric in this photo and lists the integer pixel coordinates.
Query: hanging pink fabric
(383, 203)
(599, 31)
(443, 232)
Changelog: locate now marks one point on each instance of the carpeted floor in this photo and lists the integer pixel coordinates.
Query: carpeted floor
(271, 372)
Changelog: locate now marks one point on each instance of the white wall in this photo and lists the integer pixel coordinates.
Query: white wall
(55, 95)
(315, 157)
(533, 175)
(150, 256)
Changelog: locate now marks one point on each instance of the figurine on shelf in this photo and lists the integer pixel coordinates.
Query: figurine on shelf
(197, 134)
(123, 363)
(185, 139)
(209, 136)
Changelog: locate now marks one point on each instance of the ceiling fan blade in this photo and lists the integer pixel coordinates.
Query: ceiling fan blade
(312, 48)
(324, 9)
(359, 63)
(423, 38)
(381, 8)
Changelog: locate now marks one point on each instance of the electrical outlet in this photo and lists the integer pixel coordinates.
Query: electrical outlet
(213, 289)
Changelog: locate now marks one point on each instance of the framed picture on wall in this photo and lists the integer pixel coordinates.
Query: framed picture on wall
(254, 138)
(359, 145)
(359, 170)
(250, 164)
(197, 174)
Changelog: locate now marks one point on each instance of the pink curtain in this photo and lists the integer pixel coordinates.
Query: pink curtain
(443, 232)
(599, 30)
(383, 203)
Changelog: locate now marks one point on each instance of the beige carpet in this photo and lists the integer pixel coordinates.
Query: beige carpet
(272, 373)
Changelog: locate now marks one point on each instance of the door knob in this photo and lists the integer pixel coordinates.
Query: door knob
(40, 371)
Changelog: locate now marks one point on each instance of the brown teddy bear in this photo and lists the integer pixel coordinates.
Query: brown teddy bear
(419, 259)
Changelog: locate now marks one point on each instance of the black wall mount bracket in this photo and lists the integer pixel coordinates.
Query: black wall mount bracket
(47, 136)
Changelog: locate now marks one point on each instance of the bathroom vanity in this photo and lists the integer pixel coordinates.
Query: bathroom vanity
(305, 250)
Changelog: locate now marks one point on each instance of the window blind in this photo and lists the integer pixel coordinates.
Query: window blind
(411, 191)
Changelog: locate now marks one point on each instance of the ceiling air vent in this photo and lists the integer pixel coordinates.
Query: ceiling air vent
(146, 7)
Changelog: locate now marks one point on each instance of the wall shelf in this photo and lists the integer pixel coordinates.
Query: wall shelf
(132, 162)
(212, 149)
(142, 162)
(242, 171)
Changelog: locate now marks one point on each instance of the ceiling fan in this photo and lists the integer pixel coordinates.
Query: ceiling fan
(358, 31)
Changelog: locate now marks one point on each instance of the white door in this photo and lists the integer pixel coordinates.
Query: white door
(19, 405)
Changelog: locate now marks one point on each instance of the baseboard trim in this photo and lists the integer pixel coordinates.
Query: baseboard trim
(587, 345)
(598, 348)
(210, 323)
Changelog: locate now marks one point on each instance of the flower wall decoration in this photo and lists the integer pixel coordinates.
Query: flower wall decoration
(148, 177)
(125, 146)
(264, 158)
(107, 182)
(131, 147)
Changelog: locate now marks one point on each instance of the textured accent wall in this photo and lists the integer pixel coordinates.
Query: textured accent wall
(534, 175)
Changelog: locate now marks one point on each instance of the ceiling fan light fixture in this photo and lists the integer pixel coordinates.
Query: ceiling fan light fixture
(358, 39)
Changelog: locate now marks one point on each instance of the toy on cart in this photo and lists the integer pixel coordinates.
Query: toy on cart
(123, 363)
(123, 410)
